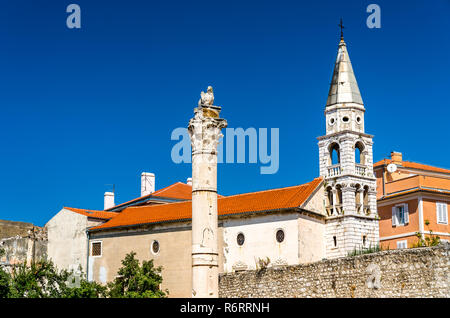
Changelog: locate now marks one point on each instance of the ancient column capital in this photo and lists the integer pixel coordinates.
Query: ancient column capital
(204, 129)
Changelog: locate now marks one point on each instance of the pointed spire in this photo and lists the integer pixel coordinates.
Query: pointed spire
(343, 88)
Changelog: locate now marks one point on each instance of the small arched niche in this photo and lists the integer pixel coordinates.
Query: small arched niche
(329, 196)
(366, 195)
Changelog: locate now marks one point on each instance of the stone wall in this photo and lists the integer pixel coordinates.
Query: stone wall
(21, 242)
(415, 272)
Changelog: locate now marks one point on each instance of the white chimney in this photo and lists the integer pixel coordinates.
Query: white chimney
(147, 183)
(109, 200)
(189, 181)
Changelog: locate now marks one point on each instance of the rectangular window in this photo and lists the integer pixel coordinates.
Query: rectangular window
(441, 212)
(402, 244)
(96, 249)
(400, 214)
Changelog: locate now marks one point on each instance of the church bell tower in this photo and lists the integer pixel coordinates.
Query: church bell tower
(346, 164)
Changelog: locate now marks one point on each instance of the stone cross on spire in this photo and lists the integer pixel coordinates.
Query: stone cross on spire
(342, 32)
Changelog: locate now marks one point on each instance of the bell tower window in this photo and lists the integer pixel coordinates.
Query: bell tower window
(359, 153)
(335, 156)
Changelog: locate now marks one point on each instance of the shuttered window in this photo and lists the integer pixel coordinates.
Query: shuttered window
(400, 214)
(441, 212)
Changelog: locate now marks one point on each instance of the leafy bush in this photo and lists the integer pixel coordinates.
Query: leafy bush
(431, 240)
(4, 283)
(135, 281)
(43, 280)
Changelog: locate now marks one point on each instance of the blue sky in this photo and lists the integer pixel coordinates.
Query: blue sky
(81, 109)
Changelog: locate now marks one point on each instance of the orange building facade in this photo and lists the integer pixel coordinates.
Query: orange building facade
(413, 199)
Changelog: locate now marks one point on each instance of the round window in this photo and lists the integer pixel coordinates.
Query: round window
(155, 247)
(358, 119)
(331, 121)
(280, 236)
(345, 119)
(240, 239)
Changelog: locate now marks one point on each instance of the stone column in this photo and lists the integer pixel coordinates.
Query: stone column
(334, 201)
(361, 200)
(205, 131)
(373, 201)
(348, 199)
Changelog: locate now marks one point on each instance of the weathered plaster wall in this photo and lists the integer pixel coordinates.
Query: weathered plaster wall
(316, 202)
(311, 243)
(22, 243)
(419, 272)
(67, 239)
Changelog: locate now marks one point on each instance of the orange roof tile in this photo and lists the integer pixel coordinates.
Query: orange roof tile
(269, 200)
(93, 213)
(178, 191)
(412, 165)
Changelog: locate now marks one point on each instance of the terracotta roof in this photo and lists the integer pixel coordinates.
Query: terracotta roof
(177, 191)
(412, 165)
(269, 200)
(93, 213)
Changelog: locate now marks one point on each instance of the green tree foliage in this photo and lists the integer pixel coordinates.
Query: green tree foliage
(86, 290)
(40, 280)
(4, 283)
(43, 280)
(431, 240)
(135, 281)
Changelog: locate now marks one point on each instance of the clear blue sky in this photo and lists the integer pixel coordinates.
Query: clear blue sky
(81, 109)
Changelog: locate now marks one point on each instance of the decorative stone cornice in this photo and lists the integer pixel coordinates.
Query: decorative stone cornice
(360, 134)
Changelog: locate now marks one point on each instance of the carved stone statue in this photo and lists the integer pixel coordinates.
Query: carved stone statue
(207, 99)
(374, 279)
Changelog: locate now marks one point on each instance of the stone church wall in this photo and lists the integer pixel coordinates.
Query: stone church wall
(417, 272)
